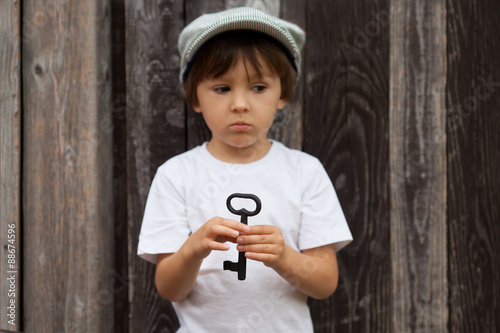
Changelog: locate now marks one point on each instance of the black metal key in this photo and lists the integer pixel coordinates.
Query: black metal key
(241, 265)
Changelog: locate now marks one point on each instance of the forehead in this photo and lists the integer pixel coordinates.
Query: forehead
(250, 64)
(253, 67)
(222, 52)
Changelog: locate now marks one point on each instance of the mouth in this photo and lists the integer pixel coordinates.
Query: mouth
(240, 126)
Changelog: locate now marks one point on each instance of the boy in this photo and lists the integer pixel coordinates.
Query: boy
(238, 67)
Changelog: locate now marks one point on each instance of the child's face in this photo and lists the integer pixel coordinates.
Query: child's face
(239, 108)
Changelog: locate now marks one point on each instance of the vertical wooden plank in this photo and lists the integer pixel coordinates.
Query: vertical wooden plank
(287, 126)
(119, 104)
(155, 132)
(473, 91)
(67, 167)
(346, 126)
(418, 165)
(10, 168)
(272, 7)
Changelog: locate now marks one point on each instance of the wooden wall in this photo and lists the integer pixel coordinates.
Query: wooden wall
(10, 166)
(399, 99)
(473, 158)
(56, 116)
(346, 114)
(418, 174)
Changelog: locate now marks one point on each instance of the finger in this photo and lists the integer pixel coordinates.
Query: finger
(262, 229)
(260, 248)
(214, 245)
(241, 227)
(263, 257)
(229, 228)
(255, 239)
(221, 230)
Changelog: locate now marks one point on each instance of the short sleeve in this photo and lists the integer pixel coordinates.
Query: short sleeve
(164, 227)
(322, 219)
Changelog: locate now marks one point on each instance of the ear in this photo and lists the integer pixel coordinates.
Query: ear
(281, 103)
(197, 108)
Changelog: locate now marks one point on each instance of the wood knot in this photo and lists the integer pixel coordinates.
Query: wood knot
(38, 69)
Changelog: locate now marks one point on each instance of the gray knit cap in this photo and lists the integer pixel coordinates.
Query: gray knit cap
(207, 26)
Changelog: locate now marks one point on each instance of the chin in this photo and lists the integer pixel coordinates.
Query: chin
(242, 145)
(240, 142)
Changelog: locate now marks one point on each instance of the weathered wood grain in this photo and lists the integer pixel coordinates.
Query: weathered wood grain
(155, 132)
(425, 255)
(418, 166)
(272, 7)
(473, 141)
(119, 104)
(346, 126)
(67, 167)
(10, 167)
(287, 126)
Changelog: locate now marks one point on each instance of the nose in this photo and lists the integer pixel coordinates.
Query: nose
(240, 101)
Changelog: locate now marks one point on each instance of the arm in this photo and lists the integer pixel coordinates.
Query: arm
(176, 273)
(313, 271)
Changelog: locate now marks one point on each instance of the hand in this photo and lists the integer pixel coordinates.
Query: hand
(264, 243)
(213, 234)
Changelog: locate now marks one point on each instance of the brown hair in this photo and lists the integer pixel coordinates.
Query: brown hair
(221, 53)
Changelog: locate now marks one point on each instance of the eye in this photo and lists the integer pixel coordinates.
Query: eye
(221, 89)
(259, 88)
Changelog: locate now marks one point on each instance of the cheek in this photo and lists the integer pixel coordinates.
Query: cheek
(213, 120)
(270, 117)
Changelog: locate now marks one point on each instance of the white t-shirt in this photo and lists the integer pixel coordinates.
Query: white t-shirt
(297, 196)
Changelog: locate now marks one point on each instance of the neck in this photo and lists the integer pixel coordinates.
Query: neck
(237, 155)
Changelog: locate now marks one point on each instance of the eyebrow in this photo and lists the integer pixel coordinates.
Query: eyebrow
(263, 75)
(259, 72)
